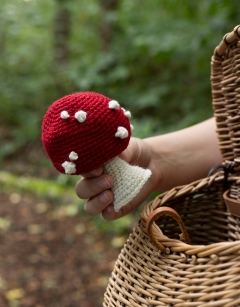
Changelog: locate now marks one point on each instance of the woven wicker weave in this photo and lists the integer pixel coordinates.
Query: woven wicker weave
(155, 267)
(225, 78)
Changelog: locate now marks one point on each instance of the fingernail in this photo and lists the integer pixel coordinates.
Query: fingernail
(109, 209)
(94, 173)
(103, 183)
(103, 198)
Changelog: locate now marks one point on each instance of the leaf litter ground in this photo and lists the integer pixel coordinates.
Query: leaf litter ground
(48, 258)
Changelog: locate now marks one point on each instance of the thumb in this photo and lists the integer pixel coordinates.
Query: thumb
(137, 153)
(131, 153)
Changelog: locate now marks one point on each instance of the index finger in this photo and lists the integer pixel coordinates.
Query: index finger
(94, 173)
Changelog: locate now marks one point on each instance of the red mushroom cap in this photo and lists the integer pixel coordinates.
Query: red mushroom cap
(82, 131)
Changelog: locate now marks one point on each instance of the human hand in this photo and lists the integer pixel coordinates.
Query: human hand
(96, 186)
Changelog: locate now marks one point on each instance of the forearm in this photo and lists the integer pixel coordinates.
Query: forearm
(185, 155)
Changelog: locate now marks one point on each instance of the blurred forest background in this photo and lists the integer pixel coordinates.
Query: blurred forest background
(153, 57)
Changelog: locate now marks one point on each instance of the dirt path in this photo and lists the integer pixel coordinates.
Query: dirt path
(48, 259)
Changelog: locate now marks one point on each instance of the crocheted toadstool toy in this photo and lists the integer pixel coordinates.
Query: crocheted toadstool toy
(85, 130)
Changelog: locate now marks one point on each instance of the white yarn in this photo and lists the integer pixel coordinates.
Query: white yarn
(128, 180)
(127, 113)
(69, 167)
(121, 133)
(132, 128)
(113, 104)
(73, 155)
(64, 115)
(81, 116)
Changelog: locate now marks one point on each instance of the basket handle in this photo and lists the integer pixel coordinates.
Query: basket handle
(155, 215)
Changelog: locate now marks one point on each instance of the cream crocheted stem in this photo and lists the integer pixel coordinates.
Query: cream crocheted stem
(128, 180)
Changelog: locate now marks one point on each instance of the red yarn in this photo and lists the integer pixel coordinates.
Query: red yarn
(93, 140)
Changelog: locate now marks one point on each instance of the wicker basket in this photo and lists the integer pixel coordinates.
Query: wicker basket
(156, 267)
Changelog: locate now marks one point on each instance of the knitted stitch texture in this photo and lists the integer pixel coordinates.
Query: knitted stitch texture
(128, 180)
(82, 131)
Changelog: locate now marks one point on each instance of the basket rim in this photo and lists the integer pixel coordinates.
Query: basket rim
(227, 40)
(209, 250)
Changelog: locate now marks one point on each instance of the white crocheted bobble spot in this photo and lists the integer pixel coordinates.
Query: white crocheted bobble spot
(113, 104)
(64, 115)
(121, 133)
(81, 116)
(127, 113)
(69, 167)
(132, 127)
(73, 155)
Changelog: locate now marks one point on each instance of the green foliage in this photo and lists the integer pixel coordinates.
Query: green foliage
(154, 58)
(66, 202)
(48, 189)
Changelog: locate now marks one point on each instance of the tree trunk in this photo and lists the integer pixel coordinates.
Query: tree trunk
(61, 34)
(108, 22)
